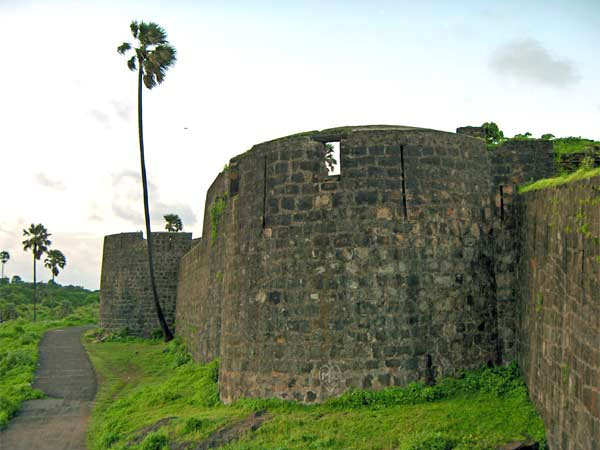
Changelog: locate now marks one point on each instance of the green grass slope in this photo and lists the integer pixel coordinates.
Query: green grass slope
(19, 337)
(545, 183)
(144, 382)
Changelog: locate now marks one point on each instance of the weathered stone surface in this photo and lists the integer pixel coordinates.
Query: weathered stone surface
(476, 132)
(420, 259)
(125, 294)
(380, 276)
(559, 330)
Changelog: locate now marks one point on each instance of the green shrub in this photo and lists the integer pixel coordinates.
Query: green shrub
(155, 441)
(497, 381)
(192, 424)
(430, 441)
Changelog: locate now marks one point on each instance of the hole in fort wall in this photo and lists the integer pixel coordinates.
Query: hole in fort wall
(264, 214)
(404, 208)
(234, 182)
(332, 158)
(501, 203)
(429, 372)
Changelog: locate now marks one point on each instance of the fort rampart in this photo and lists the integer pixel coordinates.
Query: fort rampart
(418, 260)
(559, 326)
(382, 275)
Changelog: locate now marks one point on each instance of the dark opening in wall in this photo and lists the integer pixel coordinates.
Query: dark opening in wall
(582, 278)
(429, 372)
(501, 203)
(404, 208)
(264, 216)
(332, 158)
(234, 181)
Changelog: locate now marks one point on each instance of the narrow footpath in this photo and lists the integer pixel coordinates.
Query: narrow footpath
(66, 376)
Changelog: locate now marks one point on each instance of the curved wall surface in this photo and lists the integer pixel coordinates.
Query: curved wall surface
(125, 293)
(314, 284)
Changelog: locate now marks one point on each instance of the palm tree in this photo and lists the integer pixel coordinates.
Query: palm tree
(54, 261)
(4, 257)
(38, 243)
(173, 224)
(153, 57)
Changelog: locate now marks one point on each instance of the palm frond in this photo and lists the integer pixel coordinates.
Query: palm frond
(142, 31)
(164, 55)
(149, 80)
(134, 28)
(131, 63)
(125, 46)
(154, 34)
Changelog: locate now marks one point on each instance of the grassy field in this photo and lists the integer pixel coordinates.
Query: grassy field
(143, 382)
(19, 337)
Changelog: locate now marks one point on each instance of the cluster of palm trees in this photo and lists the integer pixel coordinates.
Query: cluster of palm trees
(37, 241)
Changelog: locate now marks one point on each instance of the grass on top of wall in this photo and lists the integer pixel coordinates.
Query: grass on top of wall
(545, 183)
(562, 146)
(572, 144)
(152, 396)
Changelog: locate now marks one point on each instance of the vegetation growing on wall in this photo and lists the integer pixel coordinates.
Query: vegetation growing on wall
(581, 174)
(562, 146)
(572, 144)
(216, 211)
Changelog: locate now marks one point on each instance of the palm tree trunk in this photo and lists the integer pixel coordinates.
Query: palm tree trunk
(161, 317)
(2, 270)
(34, 284)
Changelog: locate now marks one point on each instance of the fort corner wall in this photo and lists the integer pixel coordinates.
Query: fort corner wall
(512, 163)
(559, 327)
(126, 301)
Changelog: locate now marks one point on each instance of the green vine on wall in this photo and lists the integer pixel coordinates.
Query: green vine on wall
(539, 301)
(216, 211)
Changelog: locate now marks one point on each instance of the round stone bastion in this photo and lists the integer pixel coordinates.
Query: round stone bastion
(307, 284)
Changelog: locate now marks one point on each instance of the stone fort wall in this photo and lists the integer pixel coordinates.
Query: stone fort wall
(380, 276)
(559, 323)
(418, 260)
(126, 301)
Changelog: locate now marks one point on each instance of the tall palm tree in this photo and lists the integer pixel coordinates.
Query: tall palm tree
(173, 224)
(153, 55)
(54, 261)
(38, 243)
(4, 257)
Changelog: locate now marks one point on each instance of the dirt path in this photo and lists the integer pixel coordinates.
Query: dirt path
(66, 375)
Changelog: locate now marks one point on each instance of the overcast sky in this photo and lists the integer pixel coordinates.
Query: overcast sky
(249, 72)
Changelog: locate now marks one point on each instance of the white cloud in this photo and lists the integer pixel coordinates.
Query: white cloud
(123, 109)
(45, 181)
(127, 201)
(526, 59)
